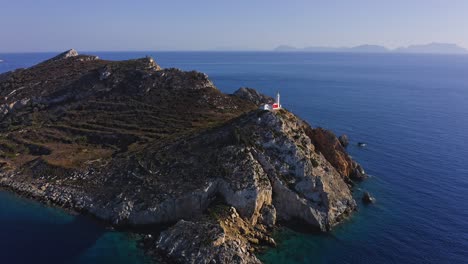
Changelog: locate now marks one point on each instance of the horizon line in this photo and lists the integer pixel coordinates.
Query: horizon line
(297, 50)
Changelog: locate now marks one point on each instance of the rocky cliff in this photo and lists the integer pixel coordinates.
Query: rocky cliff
(134, 144)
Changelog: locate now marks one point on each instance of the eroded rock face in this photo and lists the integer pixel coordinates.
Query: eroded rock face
(328, 144)
(135, 144)
(212, 244)
(262, 159)
(305, 185)
(222, 237)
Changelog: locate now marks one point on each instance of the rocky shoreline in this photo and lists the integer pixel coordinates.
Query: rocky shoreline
(133, 144)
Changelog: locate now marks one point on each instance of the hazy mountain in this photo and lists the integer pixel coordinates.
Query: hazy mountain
(369, 48)
(437, 48)
(445, 48)
(361, 48)
(321, 49)
(285, 48)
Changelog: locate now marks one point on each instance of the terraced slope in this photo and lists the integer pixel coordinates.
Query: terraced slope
(81, 107)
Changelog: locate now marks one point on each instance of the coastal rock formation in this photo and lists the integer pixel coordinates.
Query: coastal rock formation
(253, 96)
(328, 144)
(135, 144)
(211, 246)
(223, 238)
(344, 140)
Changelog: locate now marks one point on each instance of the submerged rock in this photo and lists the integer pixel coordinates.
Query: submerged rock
(367, 198)
(358, 172)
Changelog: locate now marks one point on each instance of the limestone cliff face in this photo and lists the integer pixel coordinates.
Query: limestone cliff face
(135, 144)
(331, 148)
(306, 185)
(222, 238)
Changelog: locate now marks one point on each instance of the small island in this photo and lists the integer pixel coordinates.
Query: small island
(139, 146)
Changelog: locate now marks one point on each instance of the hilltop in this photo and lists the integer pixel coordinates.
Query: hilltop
(137, 145)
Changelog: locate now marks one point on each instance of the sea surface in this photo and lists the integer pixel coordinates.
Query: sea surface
(411, 110)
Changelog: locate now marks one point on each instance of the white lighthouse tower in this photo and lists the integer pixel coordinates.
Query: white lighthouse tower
(277, 104)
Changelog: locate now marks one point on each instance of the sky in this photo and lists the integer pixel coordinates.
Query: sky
(147, 25)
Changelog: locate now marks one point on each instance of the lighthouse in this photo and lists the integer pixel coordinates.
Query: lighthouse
(274, 106)
(277, 104)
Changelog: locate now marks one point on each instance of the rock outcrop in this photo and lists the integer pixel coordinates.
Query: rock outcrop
(67, 54)
(210, 246)
(344, 140)
(253, 96)
(134, 144)
(328, 144)
(367, 198)
(223, 238)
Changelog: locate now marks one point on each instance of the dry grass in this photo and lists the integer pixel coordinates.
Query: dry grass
(73, 156)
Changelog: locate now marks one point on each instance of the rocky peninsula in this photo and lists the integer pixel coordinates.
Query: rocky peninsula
(137, 145)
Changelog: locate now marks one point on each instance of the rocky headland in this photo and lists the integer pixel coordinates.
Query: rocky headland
(137, 145)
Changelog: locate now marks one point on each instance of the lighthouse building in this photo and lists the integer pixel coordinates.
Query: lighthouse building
(274, 106)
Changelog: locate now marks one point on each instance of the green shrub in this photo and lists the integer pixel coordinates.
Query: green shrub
(314, 162)
(81, 140)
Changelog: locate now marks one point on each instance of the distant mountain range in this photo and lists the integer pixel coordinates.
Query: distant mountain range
(436, 48)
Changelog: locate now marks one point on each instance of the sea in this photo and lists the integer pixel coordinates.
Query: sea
(411, 110)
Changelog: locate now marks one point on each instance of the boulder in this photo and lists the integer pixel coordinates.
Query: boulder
(358, 172)
(268, 215)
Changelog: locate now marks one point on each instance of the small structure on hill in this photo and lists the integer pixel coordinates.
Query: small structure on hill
(274, 106)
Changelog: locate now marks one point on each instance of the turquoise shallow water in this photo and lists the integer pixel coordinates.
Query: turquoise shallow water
(412, 110)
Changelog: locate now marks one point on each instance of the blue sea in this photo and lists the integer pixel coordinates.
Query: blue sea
(411, 110)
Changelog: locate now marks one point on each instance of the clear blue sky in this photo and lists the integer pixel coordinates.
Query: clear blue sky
(54, 25)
